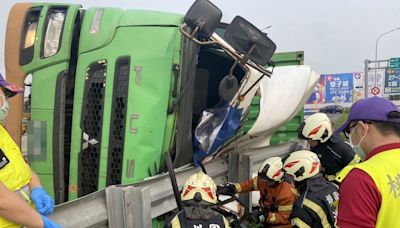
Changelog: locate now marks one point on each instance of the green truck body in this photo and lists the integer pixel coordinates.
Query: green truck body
(112, 91)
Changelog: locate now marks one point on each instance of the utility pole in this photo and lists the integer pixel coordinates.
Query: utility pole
(366, 63)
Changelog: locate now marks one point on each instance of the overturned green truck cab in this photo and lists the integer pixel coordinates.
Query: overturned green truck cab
(113, 90)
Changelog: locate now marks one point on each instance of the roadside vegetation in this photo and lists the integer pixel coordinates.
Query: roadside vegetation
(342, 119)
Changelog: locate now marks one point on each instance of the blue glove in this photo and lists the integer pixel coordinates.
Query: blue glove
(43, 202)
(47, 223)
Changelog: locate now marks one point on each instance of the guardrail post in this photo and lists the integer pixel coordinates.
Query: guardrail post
(246, 173)
(251, 160)
(234, 164)
(138, 207)
(114, 204)
(128, 207)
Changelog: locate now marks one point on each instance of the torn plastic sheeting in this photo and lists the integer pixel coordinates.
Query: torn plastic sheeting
(216, 126)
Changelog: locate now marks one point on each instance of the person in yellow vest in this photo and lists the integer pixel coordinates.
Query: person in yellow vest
(370, 190)
(20, 187)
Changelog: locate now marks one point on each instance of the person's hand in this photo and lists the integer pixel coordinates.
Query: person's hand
(257, 217)
(43, 202)
(47, 223)
(228, 189)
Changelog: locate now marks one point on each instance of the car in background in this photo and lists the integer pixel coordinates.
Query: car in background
(309, 112)
(332, 109)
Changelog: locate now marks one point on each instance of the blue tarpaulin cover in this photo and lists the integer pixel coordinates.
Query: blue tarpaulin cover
(216, 126)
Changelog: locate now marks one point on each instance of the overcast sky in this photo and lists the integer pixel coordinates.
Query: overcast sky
(336, 36)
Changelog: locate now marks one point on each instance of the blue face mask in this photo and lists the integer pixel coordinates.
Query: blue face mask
(357, 147)
(4, 108)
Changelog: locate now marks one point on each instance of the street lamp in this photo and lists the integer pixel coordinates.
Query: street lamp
(377, 40)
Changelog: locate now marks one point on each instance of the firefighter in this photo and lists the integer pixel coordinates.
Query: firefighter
(276, 195)
(317, 204)
(332, 151)
(19, 185)
(198, 197)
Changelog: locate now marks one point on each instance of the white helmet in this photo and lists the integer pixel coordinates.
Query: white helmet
(316, 127)
(302, 164)
(271, 169)
(199, 183)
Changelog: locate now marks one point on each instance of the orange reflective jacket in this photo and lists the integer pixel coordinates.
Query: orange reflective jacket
(278, 199)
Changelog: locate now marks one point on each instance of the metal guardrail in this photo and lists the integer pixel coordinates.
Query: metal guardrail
(128, 206)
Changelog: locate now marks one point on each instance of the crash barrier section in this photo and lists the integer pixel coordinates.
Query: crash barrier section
(135, 205)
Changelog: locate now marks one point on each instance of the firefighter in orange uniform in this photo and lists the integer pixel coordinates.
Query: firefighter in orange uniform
(277, 194)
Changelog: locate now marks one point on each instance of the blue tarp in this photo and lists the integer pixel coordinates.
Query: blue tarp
(216, 126)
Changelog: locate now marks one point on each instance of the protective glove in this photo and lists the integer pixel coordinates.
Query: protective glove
(257, 217)
(43, 202)
(47, 223)
(228, 189)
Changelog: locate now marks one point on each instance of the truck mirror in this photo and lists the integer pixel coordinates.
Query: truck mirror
(228, 88)
(202, 18)
(250, 41)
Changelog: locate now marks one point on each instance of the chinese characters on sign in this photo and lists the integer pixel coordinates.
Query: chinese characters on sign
(376, 82)
(339, 88)
(350, 87)
(392, 81)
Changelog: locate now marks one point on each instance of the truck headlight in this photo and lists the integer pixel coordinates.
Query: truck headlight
(96, 21)
(52, 39)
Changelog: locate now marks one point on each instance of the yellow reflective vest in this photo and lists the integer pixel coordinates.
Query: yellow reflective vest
(16, 173)
(384, 169)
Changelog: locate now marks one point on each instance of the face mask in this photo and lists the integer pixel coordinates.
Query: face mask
(357, 147)
(4, 108)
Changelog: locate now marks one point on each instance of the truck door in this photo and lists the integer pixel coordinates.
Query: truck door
(46, 49)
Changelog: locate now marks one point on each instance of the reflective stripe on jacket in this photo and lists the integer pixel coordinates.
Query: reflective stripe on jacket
(316, 206)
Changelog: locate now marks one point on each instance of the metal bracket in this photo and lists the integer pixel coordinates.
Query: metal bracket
(132, 129)
(138, 80)
(176, 70)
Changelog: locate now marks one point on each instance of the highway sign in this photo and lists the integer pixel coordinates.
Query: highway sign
(392, 81)
(394, 63)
